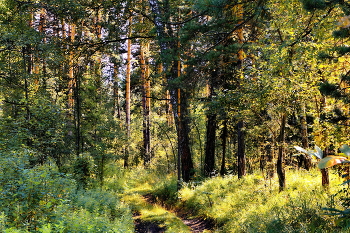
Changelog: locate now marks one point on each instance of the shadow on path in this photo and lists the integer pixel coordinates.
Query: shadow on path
(196, 224)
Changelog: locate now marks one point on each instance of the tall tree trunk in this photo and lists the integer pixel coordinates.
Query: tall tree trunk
(170, 68)
(74, 95)
(223, 139)
(27, 66)
(209, 159)
(71, 81)
(241, 160)
(324, 172)
(280, 159)
(146, 102)
(128, 97)
(36, 59)
(304, 139)
(184, 151)
(116, 104)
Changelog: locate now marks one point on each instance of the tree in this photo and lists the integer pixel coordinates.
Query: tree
(167, 43)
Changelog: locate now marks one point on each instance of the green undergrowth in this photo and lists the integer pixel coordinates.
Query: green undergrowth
(42, 199)
(140, 182)
(250, 204)
(253, 204)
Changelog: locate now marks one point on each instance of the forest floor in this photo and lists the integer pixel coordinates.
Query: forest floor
(152, 217)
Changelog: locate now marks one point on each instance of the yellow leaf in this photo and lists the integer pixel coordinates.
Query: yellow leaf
(330, 161)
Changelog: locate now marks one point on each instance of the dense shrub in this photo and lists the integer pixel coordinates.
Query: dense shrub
(41, 199)
(28, 195)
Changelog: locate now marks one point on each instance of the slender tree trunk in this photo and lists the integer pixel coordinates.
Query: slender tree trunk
(304, 139)
(223, 139)
(36, 59)
(241, 159)
(146, 102)
(324, 172)
(280, 159)
(71, 81)
(116, 105)
(27, 66)
(241, 162)
(209, 160)
(325, 178)
(184, 151)
(128, 97)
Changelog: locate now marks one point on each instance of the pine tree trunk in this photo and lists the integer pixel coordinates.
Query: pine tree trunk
(209, 160)
(128, 97)
(241, 159)
(223, 139)
(304, 140)
(280, 159)
(324, 172)
(184, 151)
(146, 104)
(71, 81)
(116, 104)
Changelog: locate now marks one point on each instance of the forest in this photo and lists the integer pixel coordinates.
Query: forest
(174, 116)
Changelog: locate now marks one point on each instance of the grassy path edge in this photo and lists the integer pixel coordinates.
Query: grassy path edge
(154, 214)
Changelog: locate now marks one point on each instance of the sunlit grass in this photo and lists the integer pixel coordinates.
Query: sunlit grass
(253, 204)
(155, 213)
(250, 204)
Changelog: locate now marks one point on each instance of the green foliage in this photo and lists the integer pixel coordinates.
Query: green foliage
(92, 211)
(29, 195)
(166, 191)
(82, 172)
(311, 5)
(341, 33)
(100, 203)
(261, 207)
(330, 89)
(42, 199)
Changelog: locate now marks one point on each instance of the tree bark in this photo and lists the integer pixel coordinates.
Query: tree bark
(280, 159)
(146, 102)
(128, 97)
(241, 159)
(209, 160)
(116, 105)
(184, 151)
(223, 139)
(324, 172)
(306, 160)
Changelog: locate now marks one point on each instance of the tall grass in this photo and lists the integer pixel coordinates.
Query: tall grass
(252, 204)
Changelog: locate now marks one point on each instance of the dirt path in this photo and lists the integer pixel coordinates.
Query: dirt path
(196, 225)
(142, 226)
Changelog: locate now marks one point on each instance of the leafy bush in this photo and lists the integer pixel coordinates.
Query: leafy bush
(166, 191)
(42, 199)
(81, 172)
(93, 211)
(29, 195)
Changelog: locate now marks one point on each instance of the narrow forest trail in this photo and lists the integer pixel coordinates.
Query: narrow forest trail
(150, 217)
